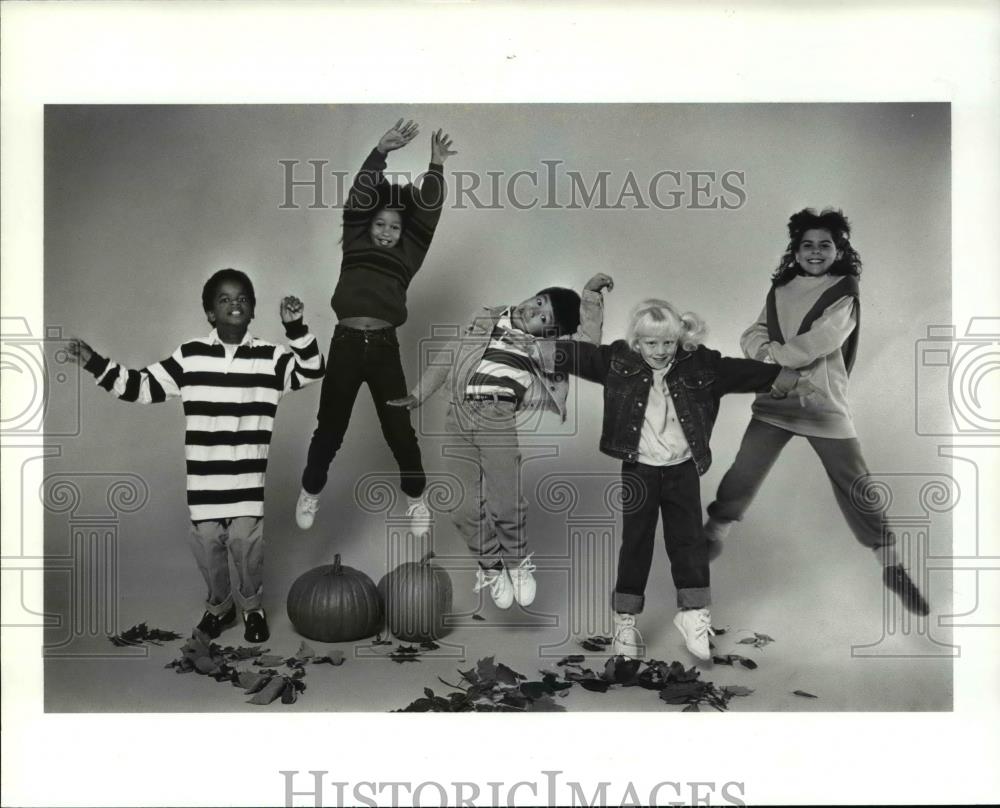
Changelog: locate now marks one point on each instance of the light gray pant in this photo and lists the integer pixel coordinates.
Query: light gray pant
(844, 465)
(482, 450)
(213, 542)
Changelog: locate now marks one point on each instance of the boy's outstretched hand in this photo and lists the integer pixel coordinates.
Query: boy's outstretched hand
(441, 147)
(600, 282)
(410, 402)
(398, 136)
(79, 350)
(808, 393)
(291, 309)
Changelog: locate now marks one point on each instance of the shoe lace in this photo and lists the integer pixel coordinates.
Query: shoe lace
(310, 504)
(486, 578)
(525, 568)
(417, 509)
(702, 623)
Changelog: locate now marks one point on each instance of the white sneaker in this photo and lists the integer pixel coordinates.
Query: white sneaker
(420, 517)
(523, 581)
(305, 509)
(627, 640)
(499, 584)
(696, 627)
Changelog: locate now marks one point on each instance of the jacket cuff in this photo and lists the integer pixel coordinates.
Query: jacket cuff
(296, 329)
(784, 383)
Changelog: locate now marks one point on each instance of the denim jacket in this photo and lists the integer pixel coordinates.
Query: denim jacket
(697, 380)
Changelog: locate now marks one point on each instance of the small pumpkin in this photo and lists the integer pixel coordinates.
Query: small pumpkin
(417, 597)
(334, 603)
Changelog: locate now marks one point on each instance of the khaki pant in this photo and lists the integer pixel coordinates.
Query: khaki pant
(482, 450)
(214, 542)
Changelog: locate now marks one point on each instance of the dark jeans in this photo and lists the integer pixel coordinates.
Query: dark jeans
(363, 357)
(675, 493)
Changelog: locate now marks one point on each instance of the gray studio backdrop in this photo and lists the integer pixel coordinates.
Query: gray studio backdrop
(142, 204)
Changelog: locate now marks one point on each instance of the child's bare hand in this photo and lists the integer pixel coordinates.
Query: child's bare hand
(291, 309)
(808, 393)
(398, 136)
(410, 402)
(79, 350)
(600, 282)
(441, 147)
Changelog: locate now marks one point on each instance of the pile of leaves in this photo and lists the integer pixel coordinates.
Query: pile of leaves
(675, 683)
(494, 687)
(265, 685)
(142, 634)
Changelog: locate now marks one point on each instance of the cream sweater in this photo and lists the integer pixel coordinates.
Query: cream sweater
(816, 354)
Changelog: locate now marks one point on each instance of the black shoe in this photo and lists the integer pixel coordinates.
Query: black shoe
(256, 627)
(213, 626)
(898, 581)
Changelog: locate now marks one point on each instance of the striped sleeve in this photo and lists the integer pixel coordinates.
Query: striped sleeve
(149, 385)
(302, 362)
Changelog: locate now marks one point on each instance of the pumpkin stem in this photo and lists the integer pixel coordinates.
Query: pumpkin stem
(336, 563)
(426, 559)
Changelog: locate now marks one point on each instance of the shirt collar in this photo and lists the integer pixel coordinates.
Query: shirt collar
(213, 338)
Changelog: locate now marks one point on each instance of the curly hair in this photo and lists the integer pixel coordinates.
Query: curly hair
(833, 221)
(653, 315)
(208, 291)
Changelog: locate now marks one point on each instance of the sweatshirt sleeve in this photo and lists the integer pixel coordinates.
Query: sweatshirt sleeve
(755, 339)
(827, 334)
(148, 385)
(427, 200)
(363, 196)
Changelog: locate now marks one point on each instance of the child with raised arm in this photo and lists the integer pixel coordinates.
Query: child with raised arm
(387, 232)
(811, 321)
(498, 369)
(230, 383)
(661, 397)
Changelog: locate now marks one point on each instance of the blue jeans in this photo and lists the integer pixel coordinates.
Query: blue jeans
(674, 493)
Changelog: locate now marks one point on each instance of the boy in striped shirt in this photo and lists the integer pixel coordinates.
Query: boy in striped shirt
(230, 383)
(504, 365)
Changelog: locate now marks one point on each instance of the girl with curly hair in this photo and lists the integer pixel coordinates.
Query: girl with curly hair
(811, 321)
(387, 232)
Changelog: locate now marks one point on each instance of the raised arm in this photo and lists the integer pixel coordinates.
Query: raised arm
(592, 308)
(148, 385)
(428, 196)
(304, 364)
(364, 194)
(827, 334)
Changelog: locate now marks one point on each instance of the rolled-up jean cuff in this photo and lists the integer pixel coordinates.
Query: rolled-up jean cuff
(697, 598)
(251, 603)
(626, 603)
(219, 609)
